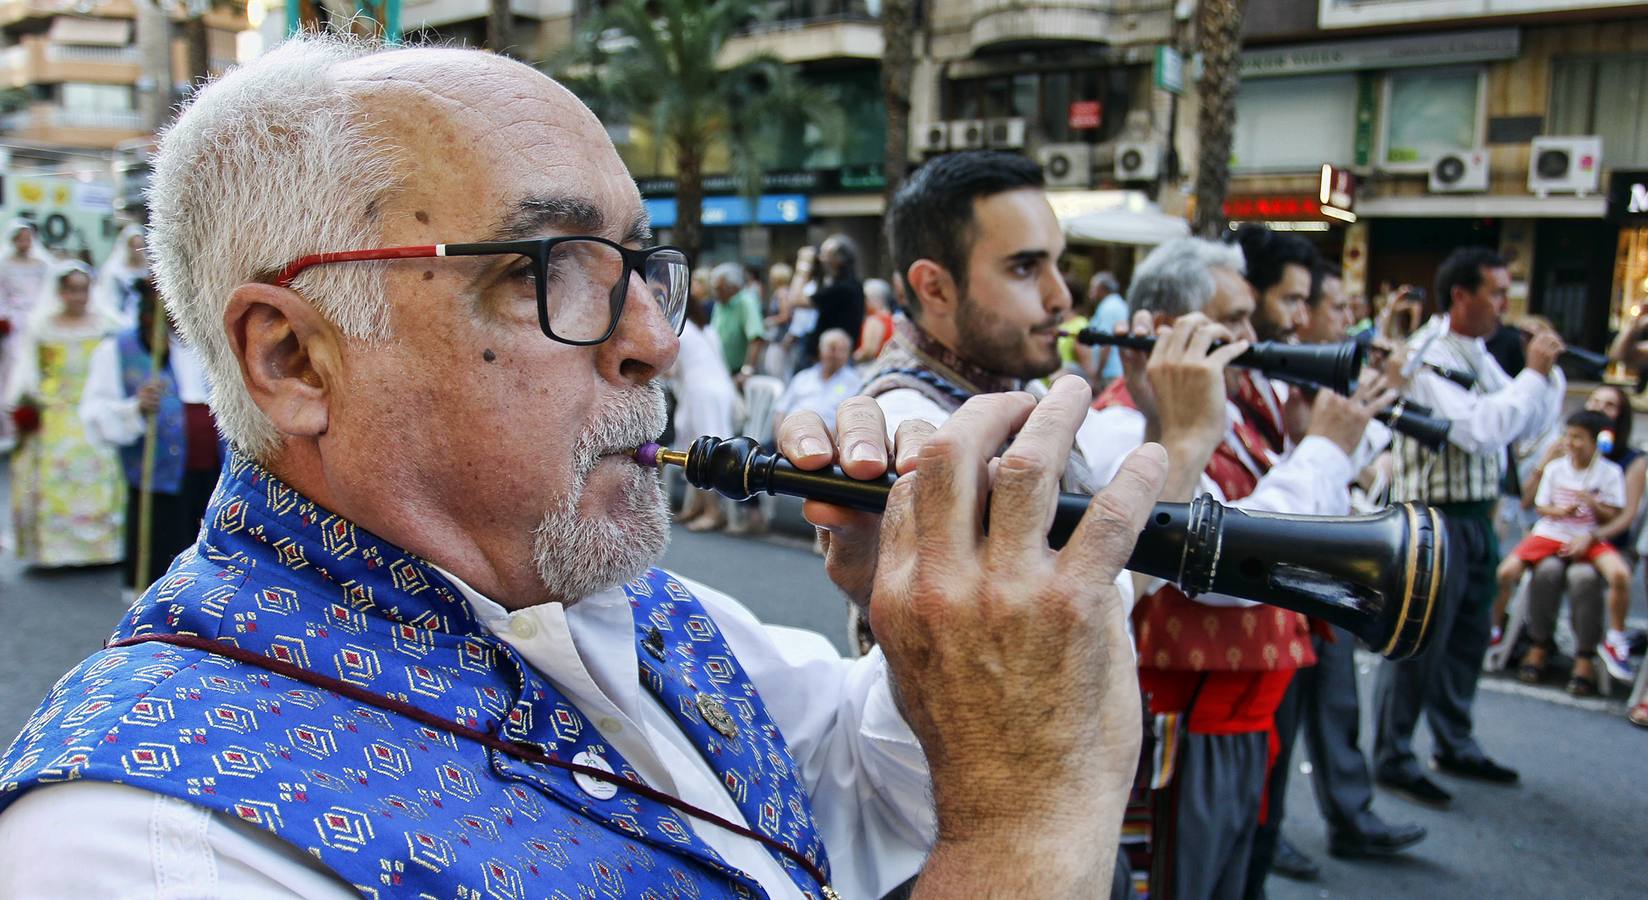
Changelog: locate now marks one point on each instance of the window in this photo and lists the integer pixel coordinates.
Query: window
(1606, 96)
(96, 98)
(1429, 112)
(1294, 124)
(1043, 99)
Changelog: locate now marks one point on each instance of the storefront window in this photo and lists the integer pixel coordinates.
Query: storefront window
(1429, 112)
(1294, 124)
(1606, 96)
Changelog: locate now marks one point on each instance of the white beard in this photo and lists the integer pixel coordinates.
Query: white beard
(577, 554)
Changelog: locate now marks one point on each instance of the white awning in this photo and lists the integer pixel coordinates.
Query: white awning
(1135, 223)
(106, 32)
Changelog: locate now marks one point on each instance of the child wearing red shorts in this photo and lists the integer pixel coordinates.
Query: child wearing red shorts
(1579, 490)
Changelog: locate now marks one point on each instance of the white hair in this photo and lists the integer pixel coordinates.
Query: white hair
(1176, 279)
(268, 163)
(727, 273)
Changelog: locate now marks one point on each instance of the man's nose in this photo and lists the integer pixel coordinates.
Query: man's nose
(644, 344)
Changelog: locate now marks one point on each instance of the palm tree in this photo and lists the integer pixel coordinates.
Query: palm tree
(897, 62)
(1218, 38)
(657, 60)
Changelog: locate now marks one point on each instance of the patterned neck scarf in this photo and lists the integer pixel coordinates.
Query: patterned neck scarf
(913, 348)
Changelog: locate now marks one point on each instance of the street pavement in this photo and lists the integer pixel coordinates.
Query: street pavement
(1578, 825)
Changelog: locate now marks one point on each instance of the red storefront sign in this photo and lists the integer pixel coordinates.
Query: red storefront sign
(1086, 114)
(1272, 208)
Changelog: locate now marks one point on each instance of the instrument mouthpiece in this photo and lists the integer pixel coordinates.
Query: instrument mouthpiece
(647, 454)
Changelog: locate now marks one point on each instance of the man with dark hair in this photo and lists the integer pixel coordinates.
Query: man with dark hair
(1462, 480)
(1329, 313)
(1281, 269)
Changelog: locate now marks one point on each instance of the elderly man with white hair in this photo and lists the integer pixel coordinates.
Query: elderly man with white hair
(419, 648)
(737, 320)
(1216, 667)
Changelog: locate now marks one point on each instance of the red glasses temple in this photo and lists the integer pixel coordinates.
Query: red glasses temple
(294, 268)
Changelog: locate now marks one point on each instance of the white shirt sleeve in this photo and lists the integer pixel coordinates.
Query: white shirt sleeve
(900, 405)
(1555, 471)
(1374, 441)
(96, 839)
(863, 768)
(108, 414)
(1488, 423)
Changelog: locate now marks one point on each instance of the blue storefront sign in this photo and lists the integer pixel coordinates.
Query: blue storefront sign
(770, 209)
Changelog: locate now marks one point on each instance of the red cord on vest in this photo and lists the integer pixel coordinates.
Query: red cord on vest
(519, 751)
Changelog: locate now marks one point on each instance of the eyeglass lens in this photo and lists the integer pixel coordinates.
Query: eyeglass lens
(578, 272)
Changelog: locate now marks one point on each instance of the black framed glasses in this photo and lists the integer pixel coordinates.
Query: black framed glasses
(565, 273)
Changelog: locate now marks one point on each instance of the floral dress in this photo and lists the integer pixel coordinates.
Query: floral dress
(68, 496)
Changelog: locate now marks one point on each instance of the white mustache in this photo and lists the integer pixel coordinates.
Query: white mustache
(630, 420)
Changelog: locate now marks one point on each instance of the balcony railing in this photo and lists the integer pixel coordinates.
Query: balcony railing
(42, 118)
(796, 13)
(91, 53)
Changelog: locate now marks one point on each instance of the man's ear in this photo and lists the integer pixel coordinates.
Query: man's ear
(289, 356)
(934, 289)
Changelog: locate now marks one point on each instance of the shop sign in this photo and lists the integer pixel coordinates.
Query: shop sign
(1169, 70)
(1628, 197)
(718, 212)
(1086, 114)
(1264, 208)
(1336, 193)
(1384, 53)
(809, 181)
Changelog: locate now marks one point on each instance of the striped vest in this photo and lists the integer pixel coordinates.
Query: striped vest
(1450, 475)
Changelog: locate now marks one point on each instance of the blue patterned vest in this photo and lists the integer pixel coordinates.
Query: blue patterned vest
(169, 459)
(394, 807)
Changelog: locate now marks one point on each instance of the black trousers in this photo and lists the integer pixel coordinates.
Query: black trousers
(177, 519)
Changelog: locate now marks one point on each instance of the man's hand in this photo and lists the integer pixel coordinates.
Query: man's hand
(149, 395)
(859, 444)
(1343, 420)
(1181, 392)
(1543, 349)
(1011, 660)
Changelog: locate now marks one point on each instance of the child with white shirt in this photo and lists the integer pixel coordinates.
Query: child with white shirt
(1578, 491)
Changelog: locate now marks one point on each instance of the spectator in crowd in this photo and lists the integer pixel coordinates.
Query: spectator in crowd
(114, 291)
(1577, 492)
(121, 394)
(839, 298)
(1110, 312)
(1545, 593)
(705, 398)
(878, 320)
(65, 485)
(820, 388)
(780, 346)
(736, 320)
(23, 267)
(1462, 479)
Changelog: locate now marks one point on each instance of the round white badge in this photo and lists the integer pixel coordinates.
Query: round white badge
(600, 790)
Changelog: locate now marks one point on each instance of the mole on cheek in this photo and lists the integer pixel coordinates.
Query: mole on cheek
(428, 275)
(422, 217)
(488, 355)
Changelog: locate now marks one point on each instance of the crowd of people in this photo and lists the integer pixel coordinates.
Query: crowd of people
(422, 622)
(78, 388)
(979, 314)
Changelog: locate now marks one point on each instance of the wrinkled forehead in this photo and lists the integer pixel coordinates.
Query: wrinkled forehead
(490, 149)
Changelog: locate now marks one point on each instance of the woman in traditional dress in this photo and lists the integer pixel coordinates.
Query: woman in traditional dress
(112, 292)
(23, 268)
(68, 500)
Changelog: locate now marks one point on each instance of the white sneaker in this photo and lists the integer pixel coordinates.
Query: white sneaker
(1616, 658)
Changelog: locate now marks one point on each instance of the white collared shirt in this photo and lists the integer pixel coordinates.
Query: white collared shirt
(110, 414)
(860, 762)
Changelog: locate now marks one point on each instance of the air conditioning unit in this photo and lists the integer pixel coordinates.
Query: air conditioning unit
(1566, 165)
(1138, 160)
(1066, 165)
(967, 134)
(935, 138)
(1459, 172)
(1006, 134)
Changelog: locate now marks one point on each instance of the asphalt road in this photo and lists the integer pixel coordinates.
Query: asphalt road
(1578, 825)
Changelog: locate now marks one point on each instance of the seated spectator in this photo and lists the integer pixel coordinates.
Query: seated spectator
(1576, 492)
(823, 386)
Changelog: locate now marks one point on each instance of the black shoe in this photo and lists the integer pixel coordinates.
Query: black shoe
(1418, 789)
(1387, 841)
(1482, 769)
(1289, 861)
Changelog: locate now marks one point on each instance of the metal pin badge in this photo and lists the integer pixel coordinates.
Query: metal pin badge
(716, 716)
(654, 644)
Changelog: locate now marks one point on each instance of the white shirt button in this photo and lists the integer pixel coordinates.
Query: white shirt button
(609, 726)
(523, 627)
(600, 790)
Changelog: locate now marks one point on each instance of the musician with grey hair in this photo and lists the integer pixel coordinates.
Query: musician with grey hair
(1215, 667)
(420, 647)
